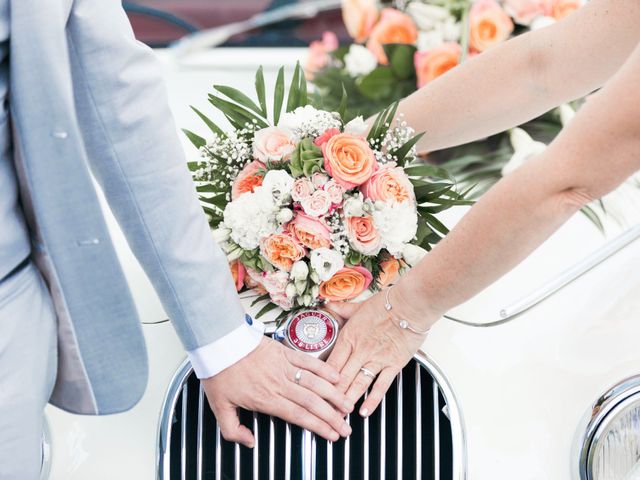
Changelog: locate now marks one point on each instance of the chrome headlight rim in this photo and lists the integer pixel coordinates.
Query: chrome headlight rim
(604, 412)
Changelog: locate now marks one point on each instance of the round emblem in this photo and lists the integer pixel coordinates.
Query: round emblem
(311, 331)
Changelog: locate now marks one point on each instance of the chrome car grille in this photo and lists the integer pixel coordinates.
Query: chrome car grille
(416, 433)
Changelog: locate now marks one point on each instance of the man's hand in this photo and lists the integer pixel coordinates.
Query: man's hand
(264, 381)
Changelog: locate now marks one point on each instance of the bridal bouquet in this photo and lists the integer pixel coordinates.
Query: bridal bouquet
(310, 208)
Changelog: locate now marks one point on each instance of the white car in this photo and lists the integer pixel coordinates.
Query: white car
(536, 378)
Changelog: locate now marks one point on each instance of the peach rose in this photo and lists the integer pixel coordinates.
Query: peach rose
(346, 284)
(238, 273)
(489, 25)
(250, 177)
(302, 189)
(273, 144)
(349, 160)
(562, 8)
(310, 232)
(359, 17)
(389, 271)
(525, 11)
(363, 235)
(389, 184)
(319, 54)
(281, 251)
(393, 27)
(435, 62)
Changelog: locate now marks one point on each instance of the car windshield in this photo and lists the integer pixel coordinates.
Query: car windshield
(158, 23)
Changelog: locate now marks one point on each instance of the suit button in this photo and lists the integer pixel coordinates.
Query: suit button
(61, 135)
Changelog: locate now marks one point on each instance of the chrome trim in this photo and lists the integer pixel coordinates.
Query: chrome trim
(552, 287)
(598, 418)
(399, 425)
(256, 447)
(347, 453)
(201, 399)
(272, 443)
(383, 435)
(458, 434)
(418, 419)
(183, 433)
(365, 463)
(236, 460)
(287, 453)
(329, 460)
(436, 431)
(45, 468)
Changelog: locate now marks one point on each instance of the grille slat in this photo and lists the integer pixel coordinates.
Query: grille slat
(408, 436)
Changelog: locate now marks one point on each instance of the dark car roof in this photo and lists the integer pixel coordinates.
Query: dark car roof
(160, 22)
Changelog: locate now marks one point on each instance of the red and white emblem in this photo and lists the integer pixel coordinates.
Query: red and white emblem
(311, 331)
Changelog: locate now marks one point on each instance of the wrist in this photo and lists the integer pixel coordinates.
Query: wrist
(411, 304)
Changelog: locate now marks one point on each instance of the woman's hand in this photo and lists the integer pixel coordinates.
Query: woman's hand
(372, 340)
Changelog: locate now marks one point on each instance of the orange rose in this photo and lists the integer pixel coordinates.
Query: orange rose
(393, 27)
(562, 8)
(281, 251)
(346, 284)
(489, 25)
(363, 235)
(359, 17)
(250, 177)
(389, 271)
(389, 184)
(349, 160)
(311, 232)
(238, 273)
(433, 63)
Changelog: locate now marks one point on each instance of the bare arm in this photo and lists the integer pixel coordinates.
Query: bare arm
(525, 77)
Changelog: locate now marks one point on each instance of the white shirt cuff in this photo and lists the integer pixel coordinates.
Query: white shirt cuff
(211, 359)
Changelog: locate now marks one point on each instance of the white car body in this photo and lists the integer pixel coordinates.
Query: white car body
(522, 386)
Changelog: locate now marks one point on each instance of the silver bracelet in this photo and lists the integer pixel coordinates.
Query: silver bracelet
(403, 324)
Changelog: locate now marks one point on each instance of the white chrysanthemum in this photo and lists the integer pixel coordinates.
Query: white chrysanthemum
(397, 224)
(359, 60)
(353, 206)
(412, 254)
(326, 262)
(308, 121)
(251, 217)
(357, 127)
(279, 183)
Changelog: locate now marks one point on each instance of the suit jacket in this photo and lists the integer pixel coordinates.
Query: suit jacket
(88, 100)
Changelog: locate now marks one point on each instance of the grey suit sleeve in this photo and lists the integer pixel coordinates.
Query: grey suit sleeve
(135, 154)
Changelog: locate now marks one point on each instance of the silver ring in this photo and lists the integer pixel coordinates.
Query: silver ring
(298, 376)
(367, 373)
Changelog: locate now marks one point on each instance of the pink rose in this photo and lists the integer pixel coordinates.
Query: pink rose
(349, 160)
(335, 191)
(489, 25)
(326, 136)
(394, 27)
(302, 189)
(389, 184)
(435, 62)
(253, 280)
(250, 177)
(525, 11)
(276, 285)
(363, 235)
(273, 144)
(318, 204)
(310, 232)
(319, 54)
(319, 179)
(359, 17)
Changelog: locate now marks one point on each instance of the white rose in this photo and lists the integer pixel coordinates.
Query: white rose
(326, 262)
(412, 254)
(541, 22)
(524, 148)
(285, 215)
(317, 204)
(279, 183)
(299, 271)
(273, 144)
(427, 16)
(397, 224)
(357, 127)
(359, 61)
(353, 207)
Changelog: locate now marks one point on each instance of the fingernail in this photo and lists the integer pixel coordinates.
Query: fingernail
(346, 430)
(335, 436)
(364, 412)
(348, 405)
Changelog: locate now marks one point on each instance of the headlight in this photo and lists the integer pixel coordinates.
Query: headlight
(611, 445)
